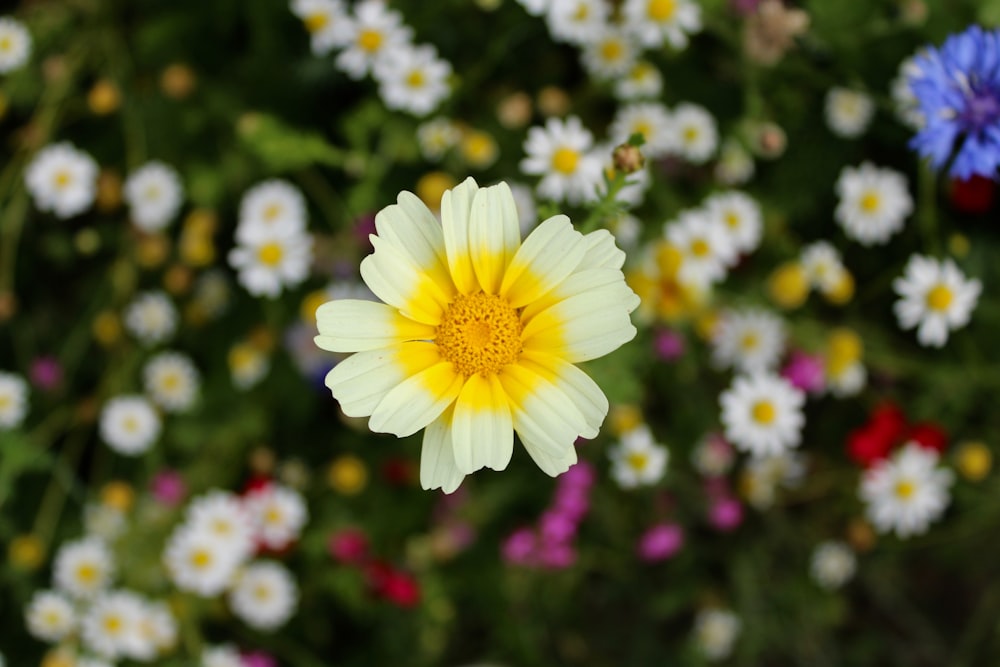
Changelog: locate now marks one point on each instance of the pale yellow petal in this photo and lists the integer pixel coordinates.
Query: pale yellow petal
(551, 464)
(482, 429)
(550, 253)
(437, 457)
(362, 380)
(411, 289)
(417, 401)
(494, 235)
(414, 231)
(582, 282)
(577, 385)
(350, 325)
(456, 206)
(582, 327)
(602, 252)
(542, 413)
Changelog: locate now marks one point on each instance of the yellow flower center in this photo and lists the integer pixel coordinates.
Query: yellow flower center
(262, 593)
(939, 297)
(749, 341)
(201, 558)
(270, 254)
(221, 527)
(87, 573)
(690, 134)
(637, 461)
(316, 22)
(273, 515)
(370, 40)
(763, 412)
(5, 402)
(870, 202)
(130, 424)
(732, 220)
(700, 248)
(479, 333)
(564, 160)
(170, 382)
(661, 10)
(644, 128)
(905, 489)
(271, 212)
(582, 12)
(52, 618)
(62, 179)
(113, 625)
(415, 79)
(612, 50)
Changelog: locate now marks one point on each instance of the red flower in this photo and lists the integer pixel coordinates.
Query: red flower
(889, 422)
(974, 195)
(400, 472)
(868, 444)
(388, 583)
(349, 546)
(929, 436)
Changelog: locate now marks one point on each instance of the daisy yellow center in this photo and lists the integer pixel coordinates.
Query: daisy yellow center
(201, 558)
(152, 193)
(939, 297)
(637, 460)
(870, 202)
(582, 12)
(52, 618)
(732, 220)
(749, 341)
(6, 44)
(370, 40)
(763, 412)
(221, 527)
(271, 212)
(316, 22)
(415, 79)
(270, 254)
(612, 50)
(87, 573)
(262, 592)
(272, 515)
(905, 489)
(479, 333)
(62, 178)
(5, 402)
(113, 625)
(700, 248)
(661, 10)
(644, 128)
(564, 160)
(130, 424)
(690, 134)
(170, 382)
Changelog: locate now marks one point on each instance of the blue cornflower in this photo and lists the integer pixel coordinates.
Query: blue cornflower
(958, 90)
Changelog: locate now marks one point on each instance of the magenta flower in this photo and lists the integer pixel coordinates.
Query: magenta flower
(660, 541)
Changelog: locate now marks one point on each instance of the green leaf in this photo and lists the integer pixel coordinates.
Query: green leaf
(284, 148)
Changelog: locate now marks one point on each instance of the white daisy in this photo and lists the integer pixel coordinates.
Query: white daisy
(223, 516)
(906, 103)
(559, 153)
(873, 203)
(264, 596)
(848, 112)
(129, 424)
(610, 54)
(327, 22)
(62, 179)
(413, 79)
(643, 81)
(248, 365)
(935, 297)
(375, 31)
(907, 492)
(15, 44)
(151, 317)
(823, 266)
(650, 119)
(198, 562)
(740, 216)
(50, 616)
(13, 400)
(273, 204)
(705, 247)
(535, 7)
(713, 456)
(715, 632)
(154, 194)
(762, 414)
(832, 564)
(845, 380)
(278, 514)
(735, 165)
(225, 655)
(159, 627)
(656, 21)
(748, 340)
(271, 260)
(110, 626)
(171, 380)
(82, 568)
(576, 21)
(763, 475)
(695, 135)
(436, 137)
(638, 460)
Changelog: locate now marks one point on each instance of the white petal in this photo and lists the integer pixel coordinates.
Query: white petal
(361, 381)
(349, 325)
(482, 429)
(396, 280)
(437, 458)
(417, 401)
(550, 253)
(494, 235)
(542, 413)
(456, 206)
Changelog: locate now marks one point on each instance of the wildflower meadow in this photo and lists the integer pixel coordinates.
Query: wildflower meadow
(499, 333)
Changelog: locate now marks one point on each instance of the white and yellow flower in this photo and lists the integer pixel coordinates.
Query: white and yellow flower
(873, 203)
(642, 81)
(15, 44)
(376, 31)
(154, 193)
(935, 298)
(62, 179)
(271, 260)
(171, 380)
(908, 492)
(561, 153)
(413, 79)
(264, 595)
(832, 564)
(749, 340)
(696, 136)
(638, 460)
(576, 21)
(479, 333)
(129, 424)
(83, 567)
(848, 112)
(762, 414)
(50, 616)
(654, 21)
(13, 400)
(327, 23)
(610, 54)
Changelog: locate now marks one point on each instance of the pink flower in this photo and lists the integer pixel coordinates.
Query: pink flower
(580, 475)
(669, 345)
(46, 373)
(168, 488)
(258, 659)
(660, 542)
(557, 556)
(725, 514)
(805, 371)
(348, 546)
(556, 526)
(520, 546)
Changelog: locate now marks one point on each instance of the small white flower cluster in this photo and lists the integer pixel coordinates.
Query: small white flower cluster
(62, 180)
(211, 552)
(151, 317)
(764, 475)
(749, 340)
(688, 132)
(848, 112)
(873, 203)
(638, 460)
(85, 614)
(273, 247)
(935, 298)
(712, 238)
(825, 268)
(715, 633)
(373, 39)
(13, 400)
(908, 492)
(154, 194)
(832, 564)
(15, 44)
